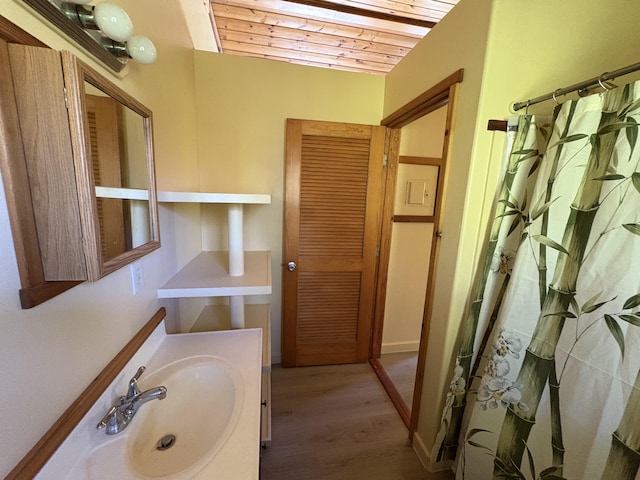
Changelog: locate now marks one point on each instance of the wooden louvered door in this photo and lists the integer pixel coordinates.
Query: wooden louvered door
(333, 196)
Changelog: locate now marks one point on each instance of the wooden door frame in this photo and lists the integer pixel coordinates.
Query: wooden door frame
(441, 94)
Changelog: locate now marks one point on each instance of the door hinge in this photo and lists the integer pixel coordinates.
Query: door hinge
(384, 160)
(378, 251)
(66, 98)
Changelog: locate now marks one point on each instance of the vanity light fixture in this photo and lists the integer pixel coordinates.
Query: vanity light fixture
(104, 29)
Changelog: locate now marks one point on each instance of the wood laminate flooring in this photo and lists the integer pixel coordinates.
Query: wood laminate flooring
(401, 368)
(337, 423)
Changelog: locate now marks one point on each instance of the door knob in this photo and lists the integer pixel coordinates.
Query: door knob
(291, 266)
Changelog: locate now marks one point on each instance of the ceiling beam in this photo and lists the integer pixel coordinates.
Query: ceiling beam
(364, 13)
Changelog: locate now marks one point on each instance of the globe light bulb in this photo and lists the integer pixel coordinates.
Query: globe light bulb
(141, 49)
(113, 21)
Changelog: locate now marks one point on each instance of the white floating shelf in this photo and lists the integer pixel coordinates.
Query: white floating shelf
(123, 193)
(207, 275)
(217, 317)
(204, 197)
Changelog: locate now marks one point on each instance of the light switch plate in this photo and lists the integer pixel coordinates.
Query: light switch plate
(137, 277)
(416, 191)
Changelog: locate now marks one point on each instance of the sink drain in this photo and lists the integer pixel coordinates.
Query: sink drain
(166, 442)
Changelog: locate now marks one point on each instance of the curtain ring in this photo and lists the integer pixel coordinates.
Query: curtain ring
(553, 95)
(602, 83)
(526, 110)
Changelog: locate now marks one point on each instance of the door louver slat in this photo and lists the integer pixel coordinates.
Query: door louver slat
(332, 218)
(316, 323)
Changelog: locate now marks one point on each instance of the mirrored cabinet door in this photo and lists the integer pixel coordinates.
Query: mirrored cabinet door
(113, 157)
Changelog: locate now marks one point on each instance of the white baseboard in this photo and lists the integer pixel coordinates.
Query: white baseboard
(422, 451)
(398, 347)
(425, 456)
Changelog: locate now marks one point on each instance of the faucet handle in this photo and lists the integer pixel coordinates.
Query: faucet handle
(133, 383)
(113, 421)
(139, 373)
(105, 420)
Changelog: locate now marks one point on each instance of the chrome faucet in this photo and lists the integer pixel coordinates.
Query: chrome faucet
(120, 415)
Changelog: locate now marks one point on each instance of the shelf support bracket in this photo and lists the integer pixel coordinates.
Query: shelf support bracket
(236, 242)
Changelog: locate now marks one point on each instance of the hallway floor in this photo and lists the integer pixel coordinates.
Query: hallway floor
(337, 423)
(401, 368)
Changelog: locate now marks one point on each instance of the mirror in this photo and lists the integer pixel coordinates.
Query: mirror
(113, 157)
(118, 166)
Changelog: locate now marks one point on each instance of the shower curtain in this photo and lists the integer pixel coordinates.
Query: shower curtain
(546, 383)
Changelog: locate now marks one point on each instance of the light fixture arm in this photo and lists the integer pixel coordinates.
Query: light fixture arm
(79, 14)
(117, 49)
(138, 48)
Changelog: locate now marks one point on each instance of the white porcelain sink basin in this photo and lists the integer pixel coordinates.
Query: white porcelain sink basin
(183, 431)
(207, 426)
(189, 426)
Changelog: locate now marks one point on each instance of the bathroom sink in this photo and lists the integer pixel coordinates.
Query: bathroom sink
(188, 427)
(176, 437)
(207, 426)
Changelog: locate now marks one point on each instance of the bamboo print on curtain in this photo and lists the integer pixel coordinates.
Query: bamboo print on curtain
(525, 140)
(559, 393)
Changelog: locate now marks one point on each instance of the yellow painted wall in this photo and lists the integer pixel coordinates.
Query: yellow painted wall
(406, 286)
(50, 353)
(457, 42)
(243, 104)
(556, 44)
(424, 137)
(510, 50)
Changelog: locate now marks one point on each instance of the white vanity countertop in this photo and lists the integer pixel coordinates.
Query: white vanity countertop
(239, 456)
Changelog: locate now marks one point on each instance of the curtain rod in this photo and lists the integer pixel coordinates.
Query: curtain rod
(580, 87)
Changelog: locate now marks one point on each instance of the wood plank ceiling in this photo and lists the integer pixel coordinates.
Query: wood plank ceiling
(355, 35)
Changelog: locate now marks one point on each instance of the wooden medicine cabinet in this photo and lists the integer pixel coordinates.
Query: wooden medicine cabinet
(88, 163)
